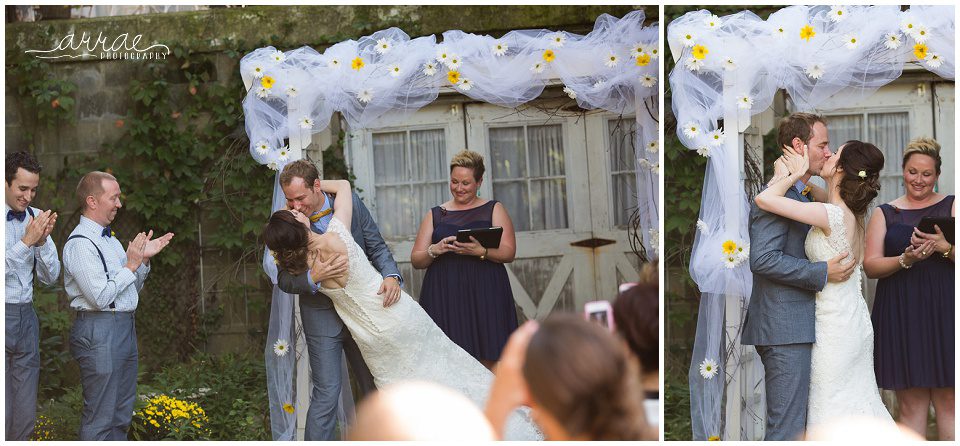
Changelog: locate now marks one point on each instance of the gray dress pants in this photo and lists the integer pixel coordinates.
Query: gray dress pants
(22, 366)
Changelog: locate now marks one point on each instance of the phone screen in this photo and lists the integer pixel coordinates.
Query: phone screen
(600, 317)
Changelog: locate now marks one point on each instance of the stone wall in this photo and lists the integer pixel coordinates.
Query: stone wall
(102, 92)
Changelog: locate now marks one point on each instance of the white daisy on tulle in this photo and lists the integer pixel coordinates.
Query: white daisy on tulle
(688, 39)
(712, 23)
(283, 155)
(443, 55)
(537, 67)
(278, 56)
(599, 84)
(258, 71)
(745, 101)
(892, 41)
(465, 84)
(454, 62)
(306, 122)
(394, 70)
(742, 252)
(334, 63)
(703, 151)
(730, 261)
(838, 13)
(815, 71)
(648, 80)
(611, 60)
(653, 146)
(921, 34)
(653, 51)
(262, 93)
(779, 31)
(702, 227)
(654, 238)
(908, 25)
(383, 46)
(499, 48)
(569, 91)
(851, 41)
(557, 39)
(281, 347)
(262, 147)
(729, 64)
(708, 368)
(429, 68)
(292, 92)
(365, 95)
(693, 64)
(637, 49)
(933, 60)
(644, 163)
(273, 166)
(716, 137)
(691, 130)
(655, 168)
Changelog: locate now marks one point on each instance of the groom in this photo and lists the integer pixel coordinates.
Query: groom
(326, 336)
(780, 319)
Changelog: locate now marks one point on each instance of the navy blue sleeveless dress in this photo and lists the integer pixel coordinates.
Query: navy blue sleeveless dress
(470, 299)
(913, 313)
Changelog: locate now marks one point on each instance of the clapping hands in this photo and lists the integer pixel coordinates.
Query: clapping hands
(143, 247)
(39, 228)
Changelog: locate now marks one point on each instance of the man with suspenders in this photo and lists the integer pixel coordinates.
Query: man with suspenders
(30, 254)
(102, 281)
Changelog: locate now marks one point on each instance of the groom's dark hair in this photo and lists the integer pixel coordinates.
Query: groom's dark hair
(797, 125)
(300, 169)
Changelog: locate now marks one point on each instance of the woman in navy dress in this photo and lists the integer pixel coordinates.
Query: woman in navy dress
(466, 289)
(913, 312)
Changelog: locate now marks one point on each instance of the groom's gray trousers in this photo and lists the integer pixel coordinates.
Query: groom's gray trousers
(781, 315)
(22, 368)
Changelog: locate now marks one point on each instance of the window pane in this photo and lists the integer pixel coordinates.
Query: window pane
(390, 158)
(624, 197)
(393, 210)
(546, 150)
(508, 153)
(513, 195)
(623, 168)
(548, 202)
(890, 132)
(843, 128)
(428, 149)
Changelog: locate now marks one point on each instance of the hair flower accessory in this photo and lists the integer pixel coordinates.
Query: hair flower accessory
(862, 174)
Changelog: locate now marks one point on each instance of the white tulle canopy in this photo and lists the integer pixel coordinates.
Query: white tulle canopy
(386, 76)
(823, 57)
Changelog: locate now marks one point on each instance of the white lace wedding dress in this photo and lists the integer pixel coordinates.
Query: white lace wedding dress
(842, 380)
(401, 342)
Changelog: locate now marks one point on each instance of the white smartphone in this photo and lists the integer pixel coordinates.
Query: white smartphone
(600, 312)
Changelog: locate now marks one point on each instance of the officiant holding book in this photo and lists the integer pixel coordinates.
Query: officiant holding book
(466, 289)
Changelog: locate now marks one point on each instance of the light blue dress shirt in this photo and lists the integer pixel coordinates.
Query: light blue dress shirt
(20, 261)
(88, 288)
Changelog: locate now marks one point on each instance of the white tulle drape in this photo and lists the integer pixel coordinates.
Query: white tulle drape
(823, 57)
(387, 76)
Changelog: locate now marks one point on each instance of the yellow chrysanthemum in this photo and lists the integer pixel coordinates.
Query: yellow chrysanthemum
(549, 55)
(700, 52)
(357, 64)
(453, 76)
(288, 408)
(729, 247)
(643, 60)
(920, 50)
(807, 33)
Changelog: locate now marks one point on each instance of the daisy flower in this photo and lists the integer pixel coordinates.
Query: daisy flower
(278, 56)
(920, 50)
(453, 62)
(262, 147)
(837, 13)
(357, 63)
(851, 41)
(708, 368)
(807, 32)
(654, 51)
(569, 91)
(465, 84)
(383, 46)
(273, 166)
(644, 163)
(306, 122)
(549, 55)
(892, 41)
(453, 76)
(693, 64)
(779, 31)
(537, 67)
(292, 92)
(921, 34)
(743, 252)
(729, 64)
(730, 261)
(908, 25)
(688, 39)
(691, 130)
(499, 48)
(611, 60)
(699, 52)
(443, 55)
(637, 49)
(557, 39)
(745, 101)
(282, 156)
(815, 71)
(258, 71)
(429, 69)
(729, 247)
(655, 168)
(643, 60)
(716, 137)
(702, 227)
(934, 60)
(281, 347)
(288, 408)
(703, 151)
(267, 82)
(262, 93)
(648, 81)
(365, 95)
(712, 22)
(394, 70)
(653, 146)
(334, 63)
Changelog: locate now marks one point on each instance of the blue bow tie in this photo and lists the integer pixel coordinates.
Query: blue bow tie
(11, 214)
(106, 232)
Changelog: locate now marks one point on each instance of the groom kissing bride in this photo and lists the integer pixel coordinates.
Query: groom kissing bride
(807, 316)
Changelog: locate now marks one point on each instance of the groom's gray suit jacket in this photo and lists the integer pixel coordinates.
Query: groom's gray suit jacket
(785, 283)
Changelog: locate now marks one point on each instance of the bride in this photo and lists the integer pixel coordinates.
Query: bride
(399, 342)
(842, 380)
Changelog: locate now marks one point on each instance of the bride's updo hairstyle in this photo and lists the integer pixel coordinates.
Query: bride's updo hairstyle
(857, 190)
(582, 376)
(287, 238)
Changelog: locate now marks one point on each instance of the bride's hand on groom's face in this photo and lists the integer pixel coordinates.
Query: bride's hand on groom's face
(796, 163)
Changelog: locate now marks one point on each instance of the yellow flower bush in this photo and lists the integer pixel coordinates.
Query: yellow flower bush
(165, 417)
(43, 429)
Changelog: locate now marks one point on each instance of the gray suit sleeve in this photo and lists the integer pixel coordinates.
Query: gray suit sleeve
(373, 244)
(768, 235)
(299, 284)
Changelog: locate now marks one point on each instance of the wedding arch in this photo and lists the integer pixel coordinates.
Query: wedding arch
(729, 69)
(387, 75)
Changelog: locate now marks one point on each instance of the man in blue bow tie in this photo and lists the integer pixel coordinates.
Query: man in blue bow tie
(102, 281)
(31, 254)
